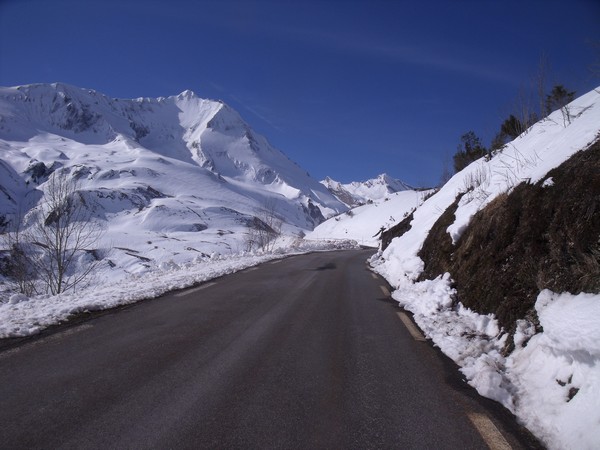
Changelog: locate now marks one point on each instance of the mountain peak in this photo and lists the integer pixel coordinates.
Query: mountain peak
(205, 134)
(187, 95)
(360, 192)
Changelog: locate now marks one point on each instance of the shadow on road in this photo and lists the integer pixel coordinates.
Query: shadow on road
(328, 266)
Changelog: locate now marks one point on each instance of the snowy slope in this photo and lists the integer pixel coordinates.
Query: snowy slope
(537, 380)
(363, 223)
(361, 192)
(203, 133)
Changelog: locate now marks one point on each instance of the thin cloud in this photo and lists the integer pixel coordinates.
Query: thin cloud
(254, 110)
(417, 55)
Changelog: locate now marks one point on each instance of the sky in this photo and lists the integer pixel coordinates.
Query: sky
(346, 89)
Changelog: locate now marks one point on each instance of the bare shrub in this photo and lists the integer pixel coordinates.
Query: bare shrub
(476, 183)
(60, 233)
(265, 228)
(17, 265)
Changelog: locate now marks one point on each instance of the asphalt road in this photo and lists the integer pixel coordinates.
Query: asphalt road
(305, 352)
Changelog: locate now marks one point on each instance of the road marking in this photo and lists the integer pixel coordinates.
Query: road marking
(191, 291)
(251, 269)
(384, 290)
(490, 434)
(277, 261)
(374, 276)
(410, 326)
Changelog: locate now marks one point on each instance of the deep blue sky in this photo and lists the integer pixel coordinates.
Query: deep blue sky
(348, 89)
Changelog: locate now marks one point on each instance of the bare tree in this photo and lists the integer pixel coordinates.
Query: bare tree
(559, 98)
(595, 66)
(18, 266)
(446, 171)
(540, 84)
(61, 232)
(265, 228)
(524, 109)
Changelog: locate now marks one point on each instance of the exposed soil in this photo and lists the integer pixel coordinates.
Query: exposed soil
(437, 251)
(396, 231)
(534, 238)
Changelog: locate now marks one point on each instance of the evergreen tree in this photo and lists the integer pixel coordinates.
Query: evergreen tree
(558, 98)
(470, 149)
(510, 129)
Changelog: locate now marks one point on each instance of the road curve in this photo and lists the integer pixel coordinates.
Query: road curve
(305, 352)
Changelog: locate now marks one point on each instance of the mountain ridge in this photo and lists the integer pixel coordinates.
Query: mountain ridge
(205, 133)
(358, 193)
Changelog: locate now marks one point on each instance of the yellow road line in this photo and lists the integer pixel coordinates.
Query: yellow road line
(490, 434)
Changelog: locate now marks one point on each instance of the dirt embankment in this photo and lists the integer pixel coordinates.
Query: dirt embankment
(536, 237)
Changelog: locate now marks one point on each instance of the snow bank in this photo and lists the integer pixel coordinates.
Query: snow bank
(23, 316)
(551, 381)
(472, 340)
(557, 373)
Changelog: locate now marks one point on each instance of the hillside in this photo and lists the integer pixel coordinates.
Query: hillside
(500, 269)
(363, 223)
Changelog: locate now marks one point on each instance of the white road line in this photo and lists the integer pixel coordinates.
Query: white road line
(374, 276)
(251, 269)
(191, 291)
(490, 434)
(277, 261)
(410, 326)
(384, 290)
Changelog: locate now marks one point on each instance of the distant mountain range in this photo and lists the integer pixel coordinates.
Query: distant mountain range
(360, 192)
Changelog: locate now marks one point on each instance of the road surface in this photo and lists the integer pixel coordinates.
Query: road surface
(304, 352)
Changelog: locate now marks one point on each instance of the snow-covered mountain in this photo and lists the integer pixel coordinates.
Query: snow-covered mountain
(175, 179)
(169, 178)
(179, 146)
(201, 132)
(360, 192)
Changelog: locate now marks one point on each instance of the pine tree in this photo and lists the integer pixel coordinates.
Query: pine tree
(470, 149)
(558, 98)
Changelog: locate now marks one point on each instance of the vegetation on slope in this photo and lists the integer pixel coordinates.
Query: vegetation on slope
(538, 236)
